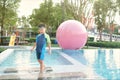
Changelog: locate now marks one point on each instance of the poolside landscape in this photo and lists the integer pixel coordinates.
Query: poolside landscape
(83, 37)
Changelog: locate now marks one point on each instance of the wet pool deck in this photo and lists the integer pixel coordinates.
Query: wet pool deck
(58, 73)
(77, 71)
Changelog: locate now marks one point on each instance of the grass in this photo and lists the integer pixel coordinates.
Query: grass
(90, 47)
(85, 47)
(2, 49)
(31, 44)
(56, 45)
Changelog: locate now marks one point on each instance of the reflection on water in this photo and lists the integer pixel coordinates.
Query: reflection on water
(77, 54)
(105, 62)
(104, 67)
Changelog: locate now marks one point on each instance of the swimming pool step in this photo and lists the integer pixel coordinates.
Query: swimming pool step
(49, 76)
(45, 76)
(58, 72)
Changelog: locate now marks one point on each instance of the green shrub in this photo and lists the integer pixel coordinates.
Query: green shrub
(5, 40)
(105, 44)
(90, 38)
(53, 41)
(53, 34)
(31, 40)
(2, 49)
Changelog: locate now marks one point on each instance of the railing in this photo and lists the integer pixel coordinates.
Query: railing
(105, 36)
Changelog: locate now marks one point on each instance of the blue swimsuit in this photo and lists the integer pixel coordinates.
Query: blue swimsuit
(41, 41)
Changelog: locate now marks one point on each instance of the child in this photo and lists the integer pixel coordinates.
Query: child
(40, 44)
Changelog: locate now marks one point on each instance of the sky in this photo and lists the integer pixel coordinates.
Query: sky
(26, 6)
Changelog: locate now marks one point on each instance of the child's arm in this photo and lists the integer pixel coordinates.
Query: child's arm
(49, 44)
(49, 48)
(33, 46)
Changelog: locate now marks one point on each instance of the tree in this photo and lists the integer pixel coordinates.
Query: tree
(100, 12)
(105, 12)
(118, 5)
(8, 12)
(49, 14)
(25, 25)
(111, 13)
(43, 14)
(57, 16)
(80, 10)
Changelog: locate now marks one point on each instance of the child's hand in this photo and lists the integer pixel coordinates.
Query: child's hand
(31, 49)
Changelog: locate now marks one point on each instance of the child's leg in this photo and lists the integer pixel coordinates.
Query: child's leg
(42, 66)
(39, 63)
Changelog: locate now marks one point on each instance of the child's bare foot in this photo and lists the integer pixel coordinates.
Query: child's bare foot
(41, 70)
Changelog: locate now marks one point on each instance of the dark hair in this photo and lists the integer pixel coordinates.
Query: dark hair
(41, 26)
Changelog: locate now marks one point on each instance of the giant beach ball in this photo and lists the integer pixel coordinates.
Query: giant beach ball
(71, 34)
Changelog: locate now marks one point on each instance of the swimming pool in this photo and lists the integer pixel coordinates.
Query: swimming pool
(27, 58)
(105, 62)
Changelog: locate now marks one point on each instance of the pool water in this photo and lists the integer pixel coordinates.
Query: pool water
(28, 58)
(105, 62)
(77, 55)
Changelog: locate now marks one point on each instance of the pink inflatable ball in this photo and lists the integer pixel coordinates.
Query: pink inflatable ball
(71, 34)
